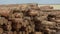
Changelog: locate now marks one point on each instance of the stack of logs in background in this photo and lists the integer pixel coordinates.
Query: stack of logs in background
(30, 19)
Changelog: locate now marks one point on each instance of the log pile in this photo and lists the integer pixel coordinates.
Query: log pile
(30, 19)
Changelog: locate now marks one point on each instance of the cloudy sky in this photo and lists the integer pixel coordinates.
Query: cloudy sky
(29, 1)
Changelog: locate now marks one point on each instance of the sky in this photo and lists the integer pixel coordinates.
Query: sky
(29, 1)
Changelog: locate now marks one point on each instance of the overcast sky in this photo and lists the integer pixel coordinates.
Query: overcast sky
(29, 1)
